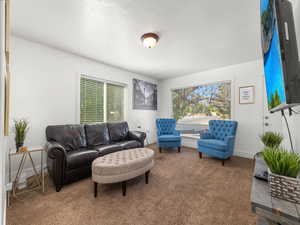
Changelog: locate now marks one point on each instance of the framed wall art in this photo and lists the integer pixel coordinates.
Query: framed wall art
(247, 95)
(144, 95)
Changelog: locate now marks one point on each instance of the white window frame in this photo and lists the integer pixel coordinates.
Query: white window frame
(232, 103)
(105, 82)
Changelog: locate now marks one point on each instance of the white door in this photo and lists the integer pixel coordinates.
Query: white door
(276, 123)
(271, 121)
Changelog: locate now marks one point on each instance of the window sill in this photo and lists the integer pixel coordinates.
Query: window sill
(191, 136)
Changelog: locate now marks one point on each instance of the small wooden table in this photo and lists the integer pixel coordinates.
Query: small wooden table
(271, 210)
(39, 177)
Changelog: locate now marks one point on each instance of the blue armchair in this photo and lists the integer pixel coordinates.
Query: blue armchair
(167, 135)
(219, 140)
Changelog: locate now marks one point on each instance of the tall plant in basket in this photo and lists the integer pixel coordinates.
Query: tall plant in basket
(284, 168)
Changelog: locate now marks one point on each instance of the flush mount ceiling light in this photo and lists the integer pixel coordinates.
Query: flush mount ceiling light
(149, 40)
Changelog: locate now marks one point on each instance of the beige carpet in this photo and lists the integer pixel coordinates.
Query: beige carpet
(182, 189)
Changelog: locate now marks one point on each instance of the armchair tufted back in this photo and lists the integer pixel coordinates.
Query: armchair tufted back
(221, 129)
(165, 126)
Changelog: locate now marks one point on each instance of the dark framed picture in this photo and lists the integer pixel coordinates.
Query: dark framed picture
(144, 95)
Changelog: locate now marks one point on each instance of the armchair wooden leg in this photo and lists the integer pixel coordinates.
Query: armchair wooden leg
(200, 155)
(179, 149)
(124, 188)
(223, 162)
(159, 149)
(95, 189)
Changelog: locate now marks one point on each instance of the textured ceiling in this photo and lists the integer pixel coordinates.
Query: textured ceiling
(195, 35)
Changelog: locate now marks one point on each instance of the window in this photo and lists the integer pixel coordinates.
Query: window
(115, 103)
(100, 101)
(199, 104)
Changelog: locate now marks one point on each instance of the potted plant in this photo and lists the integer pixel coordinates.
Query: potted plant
(271, 139)
(284, 168)
(21, 129)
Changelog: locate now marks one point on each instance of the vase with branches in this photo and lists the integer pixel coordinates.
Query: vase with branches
(21, 128)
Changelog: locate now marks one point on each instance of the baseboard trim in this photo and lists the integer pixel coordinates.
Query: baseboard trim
(243, 154)
(236, 153)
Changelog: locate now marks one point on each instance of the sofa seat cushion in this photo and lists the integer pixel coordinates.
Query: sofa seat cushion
(129, 144)
(107, 149)
(168, 137)
(81, 158)
(213, 143)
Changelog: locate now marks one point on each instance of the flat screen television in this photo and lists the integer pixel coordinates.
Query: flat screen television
(280, 54)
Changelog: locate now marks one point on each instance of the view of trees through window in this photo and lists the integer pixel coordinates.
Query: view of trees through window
(95, 107)
(201, 103)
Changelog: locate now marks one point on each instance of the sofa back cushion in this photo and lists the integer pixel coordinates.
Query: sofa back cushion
(71, 137)
(118, 131)
(97, 134)
(221, 129)
(165, 126)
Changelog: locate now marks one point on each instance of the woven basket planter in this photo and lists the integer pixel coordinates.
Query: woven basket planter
(285, 188)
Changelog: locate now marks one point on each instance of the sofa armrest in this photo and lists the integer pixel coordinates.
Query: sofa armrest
(138, 136)
(230, 142)
(56, 162)
(55, 150)
(206, 135)
(177, 133)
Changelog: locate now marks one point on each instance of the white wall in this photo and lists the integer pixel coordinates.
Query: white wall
(248, 116)
(45, 88)
(296, 8)
(3, 146)
(295, 128)
(296, 118)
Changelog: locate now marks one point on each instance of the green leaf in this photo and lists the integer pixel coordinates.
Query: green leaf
(282, 162)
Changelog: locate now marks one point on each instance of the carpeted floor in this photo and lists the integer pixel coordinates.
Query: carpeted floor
(182, 190)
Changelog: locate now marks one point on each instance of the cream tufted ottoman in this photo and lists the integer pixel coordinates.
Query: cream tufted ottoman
(122, 166)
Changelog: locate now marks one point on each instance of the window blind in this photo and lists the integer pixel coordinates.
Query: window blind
(115, 103)
(91, 101)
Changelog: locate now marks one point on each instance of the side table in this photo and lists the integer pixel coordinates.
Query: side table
(39, 177)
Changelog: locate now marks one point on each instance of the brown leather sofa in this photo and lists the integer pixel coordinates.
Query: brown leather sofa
(71, 149)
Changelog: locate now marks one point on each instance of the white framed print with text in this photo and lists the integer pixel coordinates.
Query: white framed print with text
(247, 95)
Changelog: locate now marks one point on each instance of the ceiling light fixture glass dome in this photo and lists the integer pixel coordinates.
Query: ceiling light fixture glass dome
(149, 40)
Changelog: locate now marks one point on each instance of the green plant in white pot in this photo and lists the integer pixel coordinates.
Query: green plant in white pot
(21, 129)
(271, 139)
(284, 168)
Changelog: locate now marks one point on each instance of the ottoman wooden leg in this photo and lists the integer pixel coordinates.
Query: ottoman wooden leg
(124, 188)
(95, 189)
(147, 177)
(200, 155)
